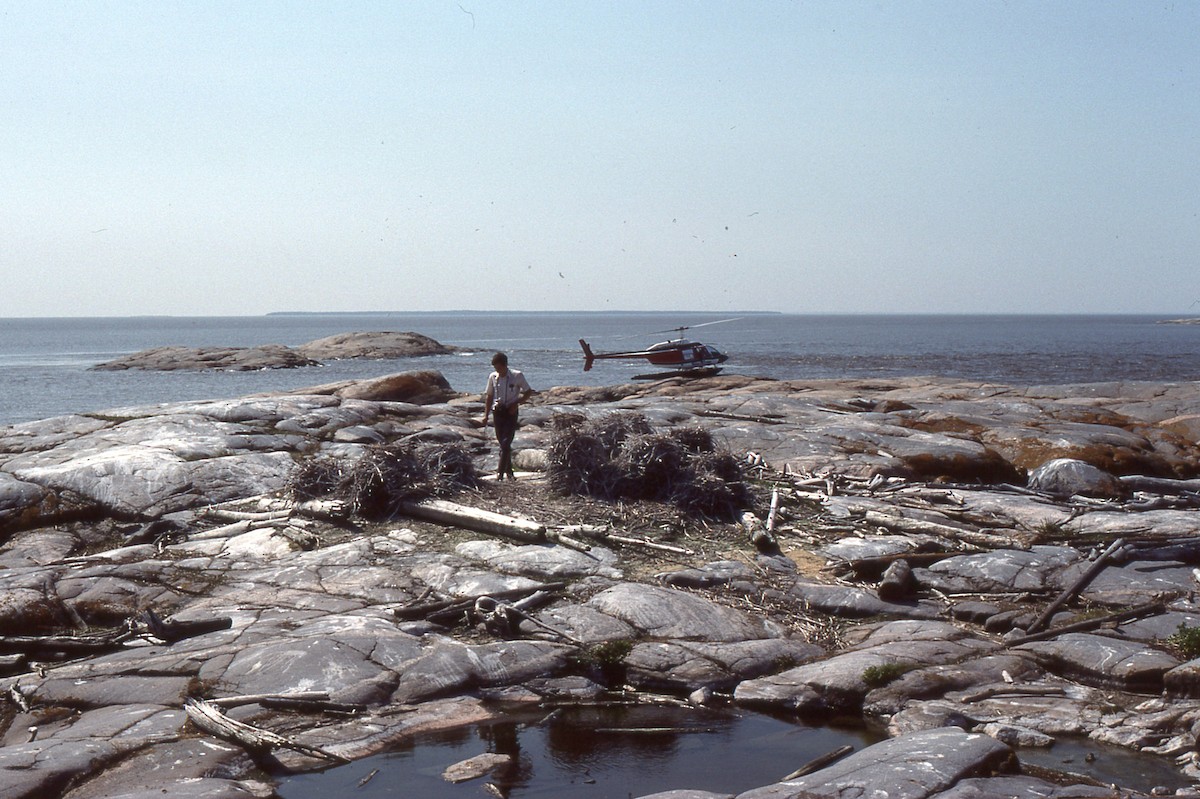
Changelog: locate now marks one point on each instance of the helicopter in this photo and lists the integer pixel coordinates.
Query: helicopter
(683, 357)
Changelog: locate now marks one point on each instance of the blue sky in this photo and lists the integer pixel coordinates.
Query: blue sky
(809, 157)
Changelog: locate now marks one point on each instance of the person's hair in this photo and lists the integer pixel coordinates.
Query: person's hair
(499, 358)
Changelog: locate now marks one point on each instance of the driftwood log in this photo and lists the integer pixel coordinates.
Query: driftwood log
(208, 717)
(1149, 609)
(1084, 579)
(482, 521)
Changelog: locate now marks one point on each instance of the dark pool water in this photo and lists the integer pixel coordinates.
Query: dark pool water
(591, 752)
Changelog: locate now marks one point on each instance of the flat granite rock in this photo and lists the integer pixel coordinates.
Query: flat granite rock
(105, 516)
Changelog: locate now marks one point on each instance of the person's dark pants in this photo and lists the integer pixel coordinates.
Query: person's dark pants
(506, 429)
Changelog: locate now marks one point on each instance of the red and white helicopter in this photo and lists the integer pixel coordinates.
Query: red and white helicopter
(683, 357)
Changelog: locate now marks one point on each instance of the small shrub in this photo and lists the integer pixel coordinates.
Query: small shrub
(1186, 641)
(879, 676)
(618, 456)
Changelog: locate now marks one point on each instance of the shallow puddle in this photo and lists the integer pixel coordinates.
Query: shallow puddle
(601, 752)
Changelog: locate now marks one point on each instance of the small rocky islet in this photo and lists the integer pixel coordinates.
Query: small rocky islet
(974, 570)
(377, 345)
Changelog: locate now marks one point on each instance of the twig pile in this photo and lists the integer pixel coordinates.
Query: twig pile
(619, 456)
(386, 476)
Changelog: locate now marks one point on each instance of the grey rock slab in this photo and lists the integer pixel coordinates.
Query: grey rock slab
(115, 690)
(910, 767)
(308, 664)
(1037, 569)
(852, 602)
(839, 681)
(709, 575)
(1104, 661)
(1124, 585)
(671, 666)
(668, 613)
(932, 682)
(586, 624)
(449, 667)
(1022, 787)
(687, 795)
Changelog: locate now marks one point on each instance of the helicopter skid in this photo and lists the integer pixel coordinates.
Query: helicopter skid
(703, 371)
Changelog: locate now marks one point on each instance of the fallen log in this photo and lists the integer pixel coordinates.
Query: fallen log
(257, 699)
(1012, 690)
(63, 645)
(1149, 609)
(209, 718)
(818, 763)
(1159, 485)
(1069, 593)
(909, 526)
(483, 521)
(871, 568)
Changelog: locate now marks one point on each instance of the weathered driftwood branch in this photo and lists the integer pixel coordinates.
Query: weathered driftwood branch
(63, 645)
(909, 526)
(255, 699)
(307, 701)
(1159, 485)
(483, 521)
(209, 718)
(503, 618)
(871, 568)
(1072, 590)
(1012, 690)
(1149, 609)
(453, 608)
(821, 762)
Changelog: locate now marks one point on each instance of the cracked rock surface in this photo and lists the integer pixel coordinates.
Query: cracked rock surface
(110, 521)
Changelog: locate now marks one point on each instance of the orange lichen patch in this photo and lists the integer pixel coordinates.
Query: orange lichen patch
(955, 467)
(941, 423)
(1031, 453)
(1187, 427)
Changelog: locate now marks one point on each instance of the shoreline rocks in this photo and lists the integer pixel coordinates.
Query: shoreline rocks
(376, 345)
(1007, 630)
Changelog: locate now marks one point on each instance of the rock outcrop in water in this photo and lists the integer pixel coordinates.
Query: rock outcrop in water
(912, 575)
(374, 345)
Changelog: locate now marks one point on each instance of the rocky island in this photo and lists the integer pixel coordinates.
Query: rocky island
(976, 571)
(374, 345)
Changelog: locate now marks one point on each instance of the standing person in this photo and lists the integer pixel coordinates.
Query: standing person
(506, 389)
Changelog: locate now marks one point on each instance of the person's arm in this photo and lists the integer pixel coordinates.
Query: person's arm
(487, 400)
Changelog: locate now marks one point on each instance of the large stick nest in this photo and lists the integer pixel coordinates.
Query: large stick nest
(386, 476)
(619, 456)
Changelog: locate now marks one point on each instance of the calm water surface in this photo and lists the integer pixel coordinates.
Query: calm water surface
(44, 363)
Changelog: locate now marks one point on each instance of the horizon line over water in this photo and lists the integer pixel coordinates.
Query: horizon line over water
(45, 361)
(1165, 317)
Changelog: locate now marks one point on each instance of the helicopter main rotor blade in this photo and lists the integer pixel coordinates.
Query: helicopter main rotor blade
(682, 328)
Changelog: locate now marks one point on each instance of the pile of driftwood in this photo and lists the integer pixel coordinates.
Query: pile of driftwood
(619, 456)
(378, 484)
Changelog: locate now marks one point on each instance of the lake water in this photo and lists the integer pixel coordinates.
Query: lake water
(44, 363)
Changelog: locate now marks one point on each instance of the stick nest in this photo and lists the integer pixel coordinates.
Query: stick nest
(619, 456)
(386, 476)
